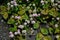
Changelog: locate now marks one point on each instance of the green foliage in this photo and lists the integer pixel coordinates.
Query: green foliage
(21, 12)
(50, 30)
(47, 38)
(24, 9)
(53, 12)
(57, 30)
(39, 36)
(13, 29)
(11, 21)
(45, 6)
(25, 16)
(36, 25)
(5, 15)
(44, 31)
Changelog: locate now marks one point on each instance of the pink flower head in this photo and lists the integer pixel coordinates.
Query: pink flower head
(10, 33)
(18, 31)
(17, 17)
(35, 14)
(15, 4)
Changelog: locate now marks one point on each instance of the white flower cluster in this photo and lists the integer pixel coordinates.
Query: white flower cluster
(17, 17)
(34, 15)
(21, 26)
(11, 34)
(12, 3)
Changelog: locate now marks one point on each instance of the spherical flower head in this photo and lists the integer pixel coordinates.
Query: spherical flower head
(12, 2)
(52, 0)
(57, 18)
(56, 4)
(8, 4)
(30, 11)
(38, 14)
(16, 23)
(34, 11)
(52, 18)
(11, 35)
(15, 33)
(12, 16)
(42, 1)
(23, 31)
(35, 15)
(25, 23)
(15, 4)
(28, 21)
(30, 4)
(17, 17)
(57, 36)
(30, 15)
(33, 22)
(59, 6)
(27, 0)
(21, 26)
(56, 25)
(32, 31)
(33, 4)
(31, 18)
(11, 5)
(28, 7)
(46, 1)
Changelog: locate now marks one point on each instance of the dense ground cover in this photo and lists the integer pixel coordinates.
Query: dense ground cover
(39, 18)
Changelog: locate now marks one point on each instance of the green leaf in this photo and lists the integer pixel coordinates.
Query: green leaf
(5, 15)
(21, 12)
(13, 29)
(46, 6)
(36, 25)
(47, 38)
(50, 30)
(25, 16)
(44, 31)
(16, 9)
(57, 30)
(53, 12)
(39, 36)
(11, 21)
